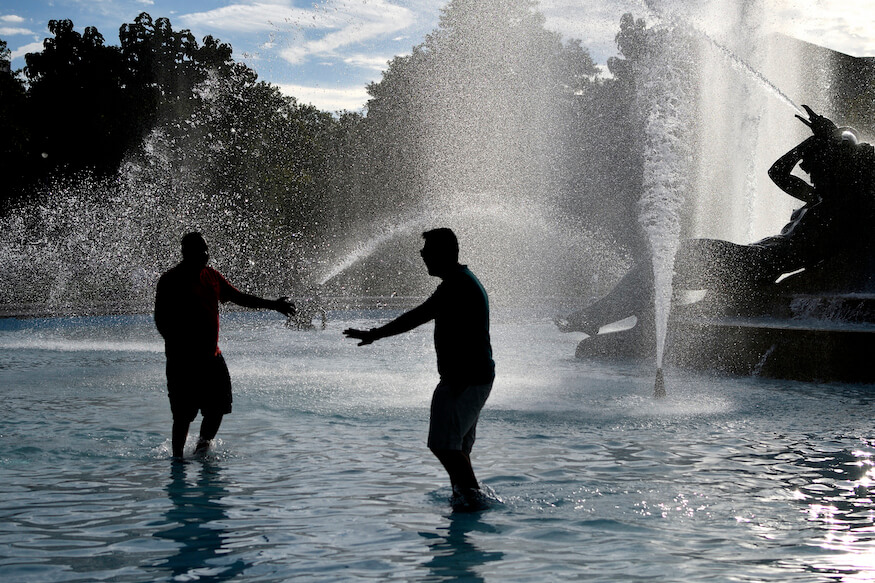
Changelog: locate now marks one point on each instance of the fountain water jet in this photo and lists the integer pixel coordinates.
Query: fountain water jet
(845, 337)
(731, 57)
(665, 105)
(674, 103)
(665, 102)
(485, 144)
(498, 235)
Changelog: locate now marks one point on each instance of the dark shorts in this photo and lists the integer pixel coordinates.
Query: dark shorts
(198, 384)
(455, 410)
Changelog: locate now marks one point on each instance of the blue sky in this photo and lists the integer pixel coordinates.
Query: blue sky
(325, 52)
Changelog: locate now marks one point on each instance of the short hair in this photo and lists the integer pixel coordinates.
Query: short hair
(193, 241)
(444, 240)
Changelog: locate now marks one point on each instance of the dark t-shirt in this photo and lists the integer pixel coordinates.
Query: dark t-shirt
(460, 308)
(187, 310)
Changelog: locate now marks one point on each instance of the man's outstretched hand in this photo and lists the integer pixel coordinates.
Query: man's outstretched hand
(285, 306)
(364, 336)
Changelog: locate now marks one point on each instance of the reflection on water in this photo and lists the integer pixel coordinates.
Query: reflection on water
(838, 500)
(196, 524)
(455, 556)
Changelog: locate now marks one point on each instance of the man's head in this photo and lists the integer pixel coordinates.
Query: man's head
(195, 250)
(440, 251)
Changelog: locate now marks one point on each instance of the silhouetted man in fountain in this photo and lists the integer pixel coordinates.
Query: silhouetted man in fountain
(187, 316)
(460, 310)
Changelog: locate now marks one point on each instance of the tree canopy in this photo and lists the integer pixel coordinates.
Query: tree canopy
(90, 103)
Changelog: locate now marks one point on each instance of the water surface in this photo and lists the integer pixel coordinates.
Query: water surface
(321, 473)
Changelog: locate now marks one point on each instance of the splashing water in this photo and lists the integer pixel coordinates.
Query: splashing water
(492, 232)
(668, 99)
(741, 65)
(734, 60)
(366, 249)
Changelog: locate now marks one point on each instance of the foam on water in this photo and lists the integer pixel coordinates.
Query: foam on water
(79, 345)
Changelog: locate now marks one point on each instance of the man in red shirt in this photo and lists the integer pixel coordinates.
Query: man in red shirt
(187, 316)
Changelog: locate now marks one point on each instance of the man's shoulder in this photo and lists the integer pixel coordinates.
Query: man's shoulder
(210, 272)
(171, 273)
(467, 276)
(213, 276)
(178, 273)
(459, 281)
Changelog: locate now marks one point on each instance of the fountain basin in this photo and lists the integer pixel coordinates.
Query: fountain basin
(802, 337)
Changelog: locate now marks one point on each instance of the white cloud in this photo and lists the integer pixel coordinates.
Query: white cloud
(11, 31)
(348, 98)
(11, 18)
(368, 61)
(321, 31)
(254, 17)
(29, 48)
(844, 27)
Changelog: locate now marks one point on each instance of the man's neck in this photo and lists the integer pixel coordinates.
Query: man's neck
(448, 270)
(191, 266)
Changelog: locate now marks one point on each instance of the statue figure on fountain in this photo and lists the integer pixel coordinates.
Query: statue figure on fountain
(826, 247)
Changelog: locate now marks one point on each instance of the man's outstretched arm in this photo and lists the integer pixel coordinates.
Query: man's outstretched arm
(403, 323)
(282, 305)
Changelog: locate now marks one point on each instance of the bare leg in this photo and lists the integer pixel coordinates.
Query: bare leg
(180, 433)
(209, 429)
(458, 466)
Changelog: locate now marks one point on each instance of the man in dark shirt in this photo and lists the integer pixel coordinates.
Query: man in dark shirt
(460, 310)
(187, 316)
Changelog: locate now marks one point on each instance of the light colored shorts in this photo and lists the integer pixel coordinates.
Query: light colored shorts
(455, 409)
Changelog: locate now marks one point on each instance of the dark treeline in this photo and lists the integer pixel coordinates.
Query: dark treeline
(81, 106)
(82, 109)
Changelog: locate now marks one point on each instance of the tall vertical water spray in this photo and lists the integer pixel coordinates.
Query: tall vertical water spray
(666, 105)
(706, 110)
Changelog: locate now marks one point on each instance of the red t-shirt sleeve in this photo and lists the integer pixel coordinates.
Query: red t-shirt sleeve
(224, 290)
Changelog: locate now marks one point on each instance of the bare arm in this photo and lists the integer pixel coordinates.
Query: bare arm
(403, 323)
(281, 305)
